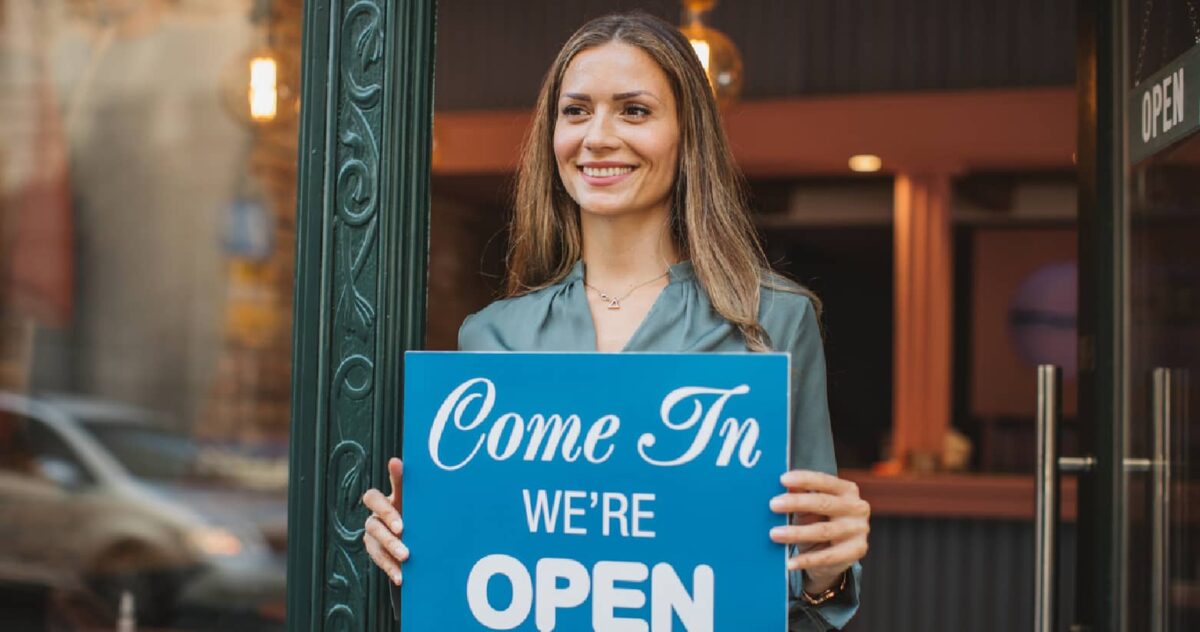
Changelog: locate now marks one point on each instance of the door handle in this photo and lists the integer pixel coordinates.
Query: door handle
(1047, 497)
(1167, 408)
(1046, 509)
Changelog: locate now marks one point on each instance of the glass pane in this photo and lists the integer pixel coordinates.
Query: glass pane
(1162, 565)
(147, 214)
(1164, 326)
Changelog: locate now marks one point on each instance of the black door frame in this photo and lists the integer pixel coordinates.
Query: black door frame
(1101, 32)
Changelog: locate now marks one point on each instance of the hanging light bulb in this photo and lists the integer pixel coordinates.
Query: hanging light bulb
(720, 58)
(264, 88)
(256, 90)
(256, 87)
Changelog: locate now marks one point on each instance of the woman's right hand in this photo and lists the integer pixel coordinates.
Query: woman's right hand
(384, 526)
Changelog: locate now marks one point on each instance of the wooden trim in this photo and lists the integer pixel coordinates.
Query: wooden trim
(915, 132)
(986, 497)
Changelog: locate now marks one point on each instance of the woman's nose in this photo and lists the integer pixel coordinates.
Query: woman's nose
(600, 134)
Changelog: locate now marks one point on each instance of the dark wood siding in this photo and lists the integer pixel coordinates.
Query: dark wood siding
(493, 54)
(952, 575)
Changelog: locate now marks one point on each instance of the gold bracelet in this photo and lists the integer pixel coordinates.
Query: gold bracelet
(827, 594)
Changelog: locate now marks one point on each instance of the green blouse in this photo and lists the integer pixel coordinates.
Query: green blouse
(557, 318)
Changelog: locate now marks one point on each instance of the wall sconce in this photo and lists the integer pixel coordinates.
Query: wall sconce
(720, 58)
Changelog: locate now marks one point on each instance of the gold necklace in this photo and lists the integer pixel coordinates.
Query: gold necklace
(614, 302)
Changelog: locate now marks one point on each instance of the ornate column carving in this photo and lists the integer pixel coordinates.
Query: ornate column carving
(363, 208)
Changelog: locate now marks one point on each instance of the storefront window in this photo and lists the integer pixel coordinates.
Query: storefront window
(147, 214)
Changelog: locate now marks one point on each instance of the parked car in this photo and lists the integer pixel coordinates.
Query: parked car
(107, 497)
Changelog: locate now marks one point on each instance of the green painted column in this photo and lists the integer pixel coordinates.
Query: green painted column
(362, 238)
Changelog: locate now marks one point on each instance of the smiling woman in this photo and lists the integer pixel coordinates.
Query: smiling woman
(616, 144)
(631, 233)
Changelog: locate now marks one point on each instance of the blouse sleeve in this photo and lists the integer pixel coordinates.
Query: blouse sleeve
(812, 449)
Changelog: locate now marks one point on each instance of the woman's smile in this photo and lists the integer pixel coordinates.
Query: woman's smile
(604, 174)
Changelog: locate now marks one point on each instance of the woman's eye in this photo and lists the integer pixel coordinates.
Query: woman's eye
(572, 110)
(637, 111)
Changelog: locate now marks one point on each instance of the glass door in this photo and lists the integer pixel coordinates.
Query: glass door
(1163, 351)
(1161, 578)
(1161, 219)
(1138, 564)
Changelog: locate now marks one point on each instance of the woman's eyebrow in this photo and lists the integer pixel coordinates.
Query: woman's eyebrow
(619, 96)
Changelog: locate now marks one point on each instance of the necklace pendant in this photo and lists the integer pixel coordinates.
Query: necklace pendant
(614, 303)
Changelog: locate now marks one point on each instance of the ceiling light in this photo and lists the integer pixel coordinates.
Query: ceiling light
(720, 58)
(865, 163)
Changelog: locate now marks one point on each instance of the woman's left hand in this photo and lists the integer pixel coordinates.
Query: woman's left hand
(830, 518)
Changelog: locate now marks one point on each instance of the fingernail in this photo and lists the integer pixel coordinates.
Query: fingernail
(397, 526)
(777, 502)
(776, 531)
(400, 550)
(396, 577)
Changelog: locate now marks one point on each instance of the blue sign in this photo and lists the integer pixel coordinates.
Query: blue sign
(593, 491)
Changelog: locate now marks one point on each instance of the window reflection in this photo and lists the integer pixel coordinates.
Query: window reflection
(146, 233)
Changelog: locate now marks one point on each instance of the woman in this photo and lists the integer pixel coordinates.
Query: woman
(631, 233)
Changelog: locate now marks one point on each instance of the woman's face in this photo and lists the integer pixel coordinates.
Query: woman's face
(616, 139)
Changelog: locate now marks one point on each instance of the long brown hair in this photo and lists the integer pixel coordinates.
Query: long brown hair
(710, 217)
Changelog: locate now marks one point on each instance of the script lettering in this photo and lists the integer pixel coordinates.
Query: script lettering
(543, 437)
(457, 402)
(704, 421)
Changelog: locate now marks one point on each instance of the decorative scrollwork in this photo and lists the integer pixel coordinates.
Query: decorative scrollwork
(340, 618)
(355, 278)
(358, 313)
(345, 584)
(348, 462)
(355, 364)
(358, 176)
(368, 43)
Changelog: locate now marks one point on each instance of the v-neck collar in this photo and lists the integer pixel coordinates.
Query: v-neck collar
(676, 273)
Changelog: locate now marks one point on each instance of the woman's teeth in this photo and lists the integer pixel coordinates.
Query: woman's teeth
(605, 172)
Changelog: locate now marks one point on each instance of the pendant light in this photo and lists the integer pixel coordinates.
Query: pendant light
(720, 58)
(257, 87)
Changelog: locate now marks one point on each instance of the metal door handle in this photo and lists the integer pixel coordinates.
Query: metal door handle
(1167, 384)
(1047, 510)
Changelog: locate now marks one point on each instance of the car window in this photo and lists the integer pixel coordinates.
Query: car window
(154, 454)
(45, 443)
(16, 456)
(28, 445)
